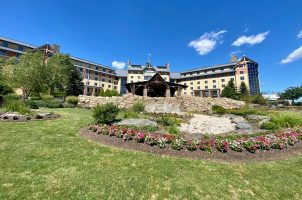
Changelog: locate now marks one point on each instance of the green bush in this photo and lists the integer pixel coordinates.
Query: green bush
(173, 130)
(283, 120)
(31, 104)
(165, 121)
(259, 99)
(130, 114)
(11, 97)
(246, 110)
(68, 105)
(16, 106)
(138, 106)
(219, 110)
(47, 97)
(72, 100)
(35, 98)
(49, 104)
(5, 89)
(105, 114)
(109, 93)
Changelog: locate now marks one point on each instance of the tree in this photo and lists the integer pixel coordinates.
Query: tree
(28, 74)
(243, 90)
(291, 93)
(59, 68)
(229, 90)
(75, 83)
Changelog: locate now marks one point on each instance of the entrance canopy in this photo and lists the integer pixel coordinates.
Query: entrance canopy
(155, 87)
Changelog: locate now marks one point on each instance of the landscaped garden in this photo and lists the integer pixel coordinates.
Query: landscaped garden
(50, 159)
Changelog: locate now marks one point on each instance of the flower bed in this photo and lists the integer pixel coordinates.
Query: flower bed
(252, 144)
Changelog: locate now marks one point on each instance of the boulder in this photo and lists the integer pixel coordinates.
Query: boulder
(243, 125)
(137, 122)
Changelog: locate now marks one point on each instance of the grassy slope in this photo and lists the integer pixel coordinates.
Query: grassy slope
(50, 160)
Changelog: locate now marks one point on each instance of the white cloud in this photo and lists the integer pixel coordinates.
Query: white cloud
(295, 55)
(235, 52)
(207, 42)
(251, 40)
(299, 34)
(118, 65)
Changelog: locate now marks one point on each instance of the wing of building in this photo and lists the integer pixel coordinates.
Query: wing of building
(201, 81)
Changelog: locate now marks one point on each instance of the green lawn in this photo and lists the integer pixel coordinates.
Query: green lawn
(50, 160)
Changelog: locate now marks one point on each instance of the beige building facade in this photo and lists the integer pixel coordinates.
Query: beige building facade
(202, 81)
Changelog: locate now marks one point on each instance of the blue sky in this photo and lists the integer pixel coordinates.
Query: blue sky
(187, 34)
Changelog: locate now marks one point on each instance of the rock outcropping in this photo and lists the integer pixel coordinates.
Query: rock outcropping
(162, 104)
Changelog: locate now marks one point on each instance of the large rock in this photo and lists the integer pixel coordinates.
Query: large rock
(137, 122)
(243, 125)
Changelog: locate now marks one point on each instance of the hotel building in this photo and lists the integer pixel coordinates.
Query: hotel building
(202, 81)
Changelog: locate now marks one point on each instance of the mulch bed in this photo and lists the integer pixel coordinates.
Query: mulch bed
(230, 156)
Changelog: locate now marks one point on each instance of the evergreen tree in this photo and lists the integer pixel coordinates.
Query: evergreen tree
(229, 91)
(243, 89)
(75, 83)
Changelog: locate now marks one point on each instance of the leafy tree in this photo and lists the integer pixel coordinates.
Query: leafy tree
(28, 74)
(59, 69)
(75, 83)
(243, 90)
(291, 93)
(229, 90)
(105, 114)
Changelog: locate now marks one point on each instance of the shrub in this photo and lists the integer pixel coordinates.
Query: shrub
(166, 121)
(138, 107)
(31, 104)
(49, 104)
(283, 120)
(173, 130)
(5, 89)
(259, 99)
(35, 98)
(130, 114)
(108, 93)
(219, 110)
(105, 114)
(11, 97)
(72, 100)
(246, 110)
(16, 106)
(47, 97)
(68, 105)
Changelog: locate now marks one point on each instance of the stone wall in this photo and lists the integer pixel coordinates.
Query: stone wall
(162, 104)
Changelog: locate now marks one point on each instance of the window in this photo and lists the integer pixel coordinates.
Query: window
(103, 85)
(214, 86)
(110, 81)
(104, 70)
(191, 88)
(138, 77)
(103, 80)
(222, 80)
(109, 86)
(232, 79)
(131, 77)
(223, 85)
(191, 83)
(95, 84)
(185, 93)
(96, 73)
(185, 83)
(96, 78)
(5, 44)
(206, 82)
(241, 72)
(115, 87)
(20, 48)
(242, 78)
(109, 76)
(206, 87)
(198, 87)
(97, 68)
(213, 70)
(214, 81)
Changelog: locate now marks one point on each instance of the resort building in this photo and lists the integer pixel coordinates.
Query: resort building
(149, 80)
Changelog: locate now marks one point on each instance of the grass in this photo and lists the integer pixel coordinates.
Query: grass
(283, 120)
(50, 160)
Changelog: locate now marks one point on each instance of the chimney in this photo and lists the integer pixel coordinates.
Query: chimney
(56, 48)
(234, 58)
